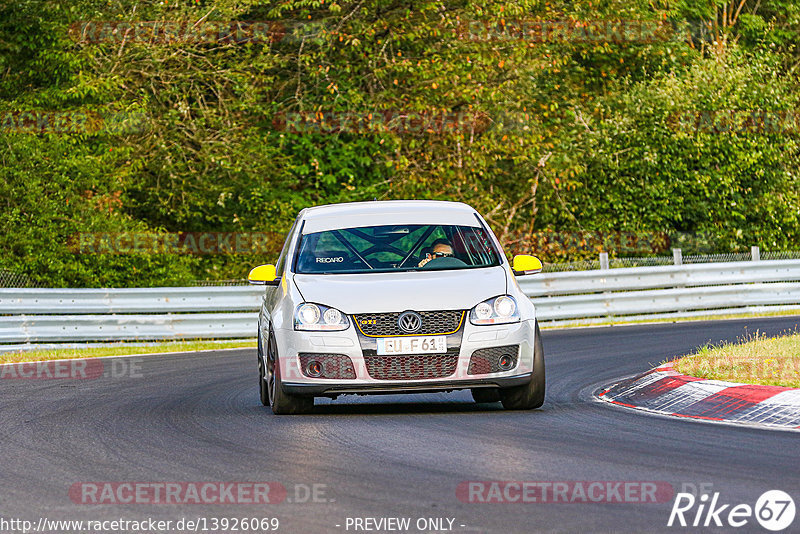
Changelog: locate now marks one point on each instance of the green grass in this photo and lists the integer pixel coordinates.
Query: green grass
(119, 349)
(755, 359)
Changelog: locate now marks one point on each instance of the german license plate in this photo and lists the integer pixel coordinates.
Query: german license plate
(412, 345)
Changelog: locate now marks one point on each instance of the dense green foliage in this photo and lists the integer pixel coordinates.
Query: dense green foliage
(571, 135)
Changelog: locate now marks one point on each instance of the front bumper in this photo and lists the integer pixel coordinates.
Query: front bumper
(352, 344)
(386, 387)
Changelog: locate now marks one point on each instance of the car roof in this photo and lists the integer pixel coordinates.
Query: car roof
(387, 212)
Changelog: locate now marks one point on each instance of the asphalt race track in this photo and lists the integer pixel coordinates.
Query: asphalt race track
(198, 418)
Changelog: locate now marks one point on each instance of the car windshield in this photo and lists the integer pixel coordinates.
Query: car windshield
(395, 248)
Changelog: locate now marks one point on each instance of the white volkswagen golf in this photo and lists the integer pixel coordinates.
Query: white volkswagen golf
(400, 296)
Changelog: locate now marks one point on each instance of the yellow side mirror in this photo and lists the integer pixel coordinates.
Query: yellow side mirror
(524, 264)
(263, 275)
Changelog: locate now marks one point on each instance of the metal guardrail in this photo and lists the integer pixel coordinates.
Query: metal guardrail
(616, 295)
(637, 278)
(62, 315)
(667, 300)
(48, 328)
(130, 300)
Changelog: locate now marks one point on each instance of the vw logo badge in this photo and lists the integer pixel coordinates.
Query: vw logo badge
(409, 322)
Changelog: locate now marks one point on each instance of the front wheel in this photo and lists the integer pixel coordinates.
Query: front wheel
(530, 395)
(485, 395)
(263, 389)
(281, 402)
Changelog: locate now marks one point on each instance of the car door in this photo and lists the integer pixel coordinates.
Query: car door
(272, 294)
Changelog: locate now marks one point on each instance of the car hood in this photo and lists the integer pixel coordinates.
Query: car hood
(394, 292)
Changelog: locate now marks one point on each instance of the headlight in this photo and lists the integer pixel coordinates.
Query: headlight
(310, 316)
(498, 310)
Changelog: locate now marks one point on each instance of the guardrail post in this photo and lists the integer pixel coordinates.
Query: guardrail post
(604, 265)
(755, 253)
(604, 260)
(677, 259)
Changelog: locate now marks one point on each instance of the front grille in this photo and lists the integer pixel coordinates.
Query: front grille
(412, 366)
(484, 361)
(433, 322)
(333, 365)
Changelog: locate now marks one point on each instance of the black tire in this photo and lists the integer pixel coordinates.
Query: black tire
(282, 403)
(486, 395)
(530, 395)
(262, 383)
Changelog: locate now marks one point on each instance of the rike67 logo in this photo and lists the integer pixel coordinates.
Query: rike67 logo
(774, 510)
